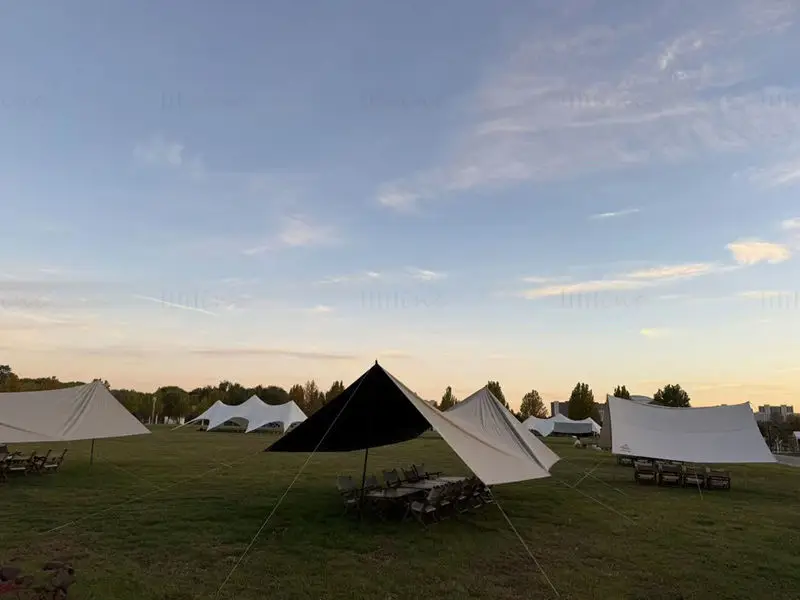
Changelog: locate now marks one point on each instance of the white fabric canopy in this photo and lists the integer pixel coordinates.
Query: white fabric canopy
(796, 435)
(253, 414)
(717, 434)
(494, 457)
(558, 423)
(286, 414)
(81, 412)
(485, 411)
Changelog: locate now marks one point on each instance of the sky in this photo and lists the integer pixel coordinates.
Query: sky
(531, 192)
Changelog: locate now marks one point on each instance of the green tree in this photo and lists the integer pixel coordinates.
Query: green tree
(581, 402)
(532, 406)
(497, 392)
(337, 387)
(5, 374)
(172, 401)
(272, 394)
(672, 395)
(622, 392)
(313, 397)
(298, 395)
(448, 399)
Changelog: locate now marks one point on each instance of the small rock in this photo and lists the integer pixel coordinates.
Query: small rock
(9, 573)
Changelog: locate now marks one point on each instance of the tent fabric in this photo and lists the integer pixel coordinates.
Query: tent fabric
(717, 434)
(254, 413)
(378, 410)
(286, 414)
(558, 423)
(485, 411)
(605, 433)
(81, 412)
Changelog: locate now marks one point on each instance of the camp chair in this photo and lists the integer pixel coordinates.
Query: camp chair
(391, 478)
(349, 492)
(718, 480)
(625, 461)
(428, 507)
(411, 475)
(644, 472)
(669, 474)
(21, 465)
(423, 474)
(38, 462)
(51, 465)
(693, 476)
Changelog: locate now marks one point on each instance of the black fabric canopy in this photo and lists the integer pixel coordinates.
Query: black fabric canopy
(373, 411)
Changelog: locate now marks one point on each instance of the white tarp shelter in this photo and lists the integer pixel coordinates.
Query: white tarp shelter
(252, 414)
(560, 424)
(485, 411)
(83, 412)
(716, 434)
(605, 434)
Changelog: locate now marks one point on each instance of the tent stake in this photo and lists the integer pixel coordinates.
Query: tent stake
(363, 482)
(91, 456)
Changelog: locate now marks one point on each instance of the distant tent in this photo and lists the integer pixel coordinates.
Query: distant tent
(252, 414)
(83, 412)
(484, 410)
(378, 410)
(561, 424)
(716, 434)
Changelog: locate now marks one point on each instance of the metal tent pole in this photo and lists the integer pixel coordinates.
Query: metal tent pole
(363, 481)
(91, 455)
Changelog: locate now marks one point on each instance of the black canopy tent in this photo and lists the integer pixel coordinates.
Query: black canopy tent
(373, 411)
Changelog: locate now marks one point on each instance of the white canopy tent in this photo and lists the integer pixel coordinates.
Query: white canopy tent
(716, 434)
(252, 414)
(561, 424)
(287, 414)
(605, 433)
(83, 412)
(483, 410)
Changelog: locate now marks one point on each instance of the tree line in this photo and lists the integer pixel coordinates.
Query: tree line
(581, 404)
(175, 402)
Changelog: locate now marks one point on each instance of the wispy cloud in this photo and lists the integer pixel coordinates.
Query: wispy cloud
(655, 332)
(414, 273)
(176, 305)
(754, 251)
(761, 294)
(778, 175)
(321, 309)
(628, 281)
(158, 151)
(791, 224)
(565, 104)
(425, 274)
(298, 231)
(277, 352)
(619, 213)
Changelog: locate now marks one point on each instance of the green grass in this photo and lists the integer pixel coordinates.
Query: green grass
(193, 501)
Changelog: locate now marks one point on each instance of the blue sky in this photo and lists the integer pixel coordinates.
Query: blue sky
(270, 192)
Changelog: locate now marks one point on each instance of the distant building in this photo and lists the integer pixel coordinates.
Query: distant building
(768, 413)
(558, 407)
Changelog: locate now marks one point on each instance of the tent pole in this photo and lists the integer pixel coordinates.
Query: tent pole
(91, 455)
(363, 481)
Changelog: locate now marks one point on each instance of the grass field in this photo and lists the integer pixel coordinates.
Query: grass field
(166, 516)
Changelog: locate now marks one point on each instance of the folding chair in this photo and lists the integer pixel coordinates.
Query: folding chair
(411, 475)
(349, 492)
(644, 472)
(429, 507)
(38, 462)
(53, 464)
(392, 478)
(21, 466)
